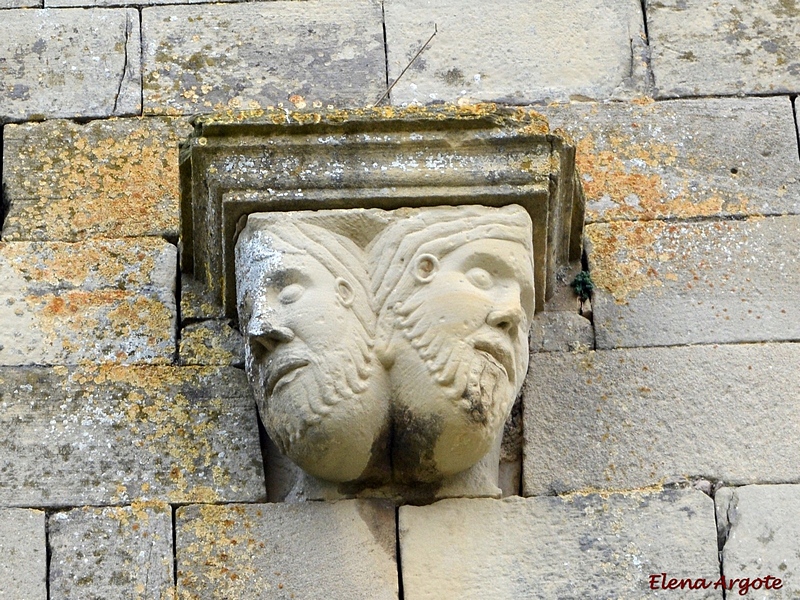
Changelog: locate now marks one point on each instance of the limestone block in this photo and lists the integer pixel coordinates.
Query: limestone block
(561, 331)
(196, 302)
(114, 178)
(386, 345)
(23, 554)
(112, 435)
(684, 158)
(99, 301)
(622, 419)
(304, 551)
(213, 342)
(725, 47)
(114, 553)
(211, 58)
(659, 283)
(573, 547)
(522, 52)
(20, 4)
(69, 63)
(762, 533)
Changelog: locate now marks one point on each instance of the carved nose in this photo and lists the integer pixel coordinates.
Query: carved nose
(506, 319)
(261, 332)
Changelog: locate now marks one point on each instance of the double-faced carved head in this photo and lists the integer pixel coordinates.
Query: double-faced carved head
(389, 350)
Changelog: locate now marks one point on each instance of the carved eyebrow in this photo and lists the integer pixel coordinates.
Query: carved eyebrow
(492, 261)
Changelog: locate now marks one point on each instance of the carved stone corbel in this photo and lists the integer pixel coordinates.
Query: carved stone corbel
(384, 268)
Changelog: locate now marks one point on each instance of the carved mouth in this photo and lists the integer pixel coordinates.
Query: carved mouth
(283, 370)
(498, 353)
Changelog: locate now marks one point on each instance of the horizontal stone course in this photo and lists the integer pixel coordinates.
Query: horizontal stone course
(310, 550)
(660, 283)
(684, 159)
(113, 178)
(112, 435)
(23, 554)
(624, 419)
(218, 57)
(575, 547)
(113, 553)
(69, 63)
(761, 538)
(99, 301)
(724, 47)
(518, 54)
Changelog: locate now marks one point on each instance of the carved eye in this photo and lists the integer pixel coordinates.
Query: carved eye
(291, 293)
(480, 278)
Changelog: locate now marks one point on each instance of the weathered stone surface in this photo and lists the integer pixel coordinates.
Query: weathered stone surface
(305, 551)
(519, 53)
(199, 59)
(623, 419)
(214, 342)
(69, 63)
(386, 346)
(114, 178)
(725, 47)
(761, 537)
(20, 4)
(660, 284)
(113, 553)
(197, 302)
(684, 158)
(575, 547)
(99, 301)
(23, 554)
(103, 435)
(561, 331)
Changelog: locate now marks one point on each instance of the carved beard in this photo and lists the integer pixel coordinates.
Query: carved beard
(471, 378)
(340, 375)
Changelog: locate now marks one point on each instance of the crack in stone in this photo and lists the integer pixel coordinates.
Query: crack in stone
(124, 64)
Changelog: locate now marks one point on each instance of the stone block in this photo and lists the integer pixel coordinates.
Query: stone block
(20, 4)
(213, 342)
(112, 435)
(115, 178)
(761, 539)
(624, 419)
(684, 158)
(567, 547)
(524, 52)
(23, 554)
(724, 48)
(98, 301)
(212, 58)
(305, 551)
(69, 63)
(197, 303)
(659, 283)
(561, 331)
(113, 553)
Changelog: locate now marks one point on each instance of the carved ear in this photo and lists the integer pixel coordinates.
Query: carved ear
(344, 291)
(425, 267)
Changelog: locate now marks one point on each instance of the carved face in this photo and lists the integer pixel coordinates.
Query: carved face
(460, 353)
(309, 357)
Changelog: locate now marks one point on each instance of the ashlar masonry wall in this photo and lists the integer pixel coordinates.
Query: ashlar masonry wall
(660, 434)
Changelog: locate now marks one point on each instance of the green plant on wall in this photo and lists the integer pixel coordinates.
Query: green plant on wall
(583, 285)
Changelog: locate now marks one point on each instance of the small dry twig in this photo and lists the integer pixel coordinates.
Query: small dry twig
(411, 62)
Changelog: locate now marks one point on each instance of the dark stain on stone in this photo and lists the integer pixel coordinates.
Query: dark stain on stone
(20, 92)
(379, 516)
(414, 439)
(453, 76)
(769, 46)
